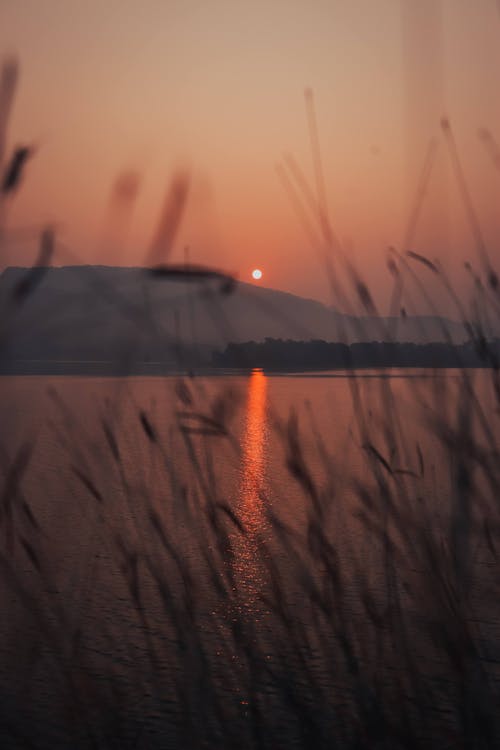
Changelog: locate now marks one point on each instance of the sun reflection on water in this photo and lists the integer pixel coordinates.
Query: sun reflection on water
(251, 502)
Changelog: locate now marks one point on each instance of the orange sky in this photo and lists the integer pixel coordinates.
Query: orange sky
(217, 87)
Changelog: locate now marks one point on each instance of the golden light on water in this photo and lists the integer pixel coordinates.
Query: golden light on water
(251, 508)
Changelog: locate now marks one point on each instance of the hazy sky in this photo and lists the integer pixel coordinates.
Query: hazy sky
(218, 88)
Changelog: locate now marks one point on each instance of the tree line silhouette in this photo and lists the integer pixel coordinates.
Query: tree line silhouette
(279, 354)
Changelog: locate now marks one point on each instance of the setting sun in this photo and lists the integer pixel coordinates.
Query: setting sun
(257, 274)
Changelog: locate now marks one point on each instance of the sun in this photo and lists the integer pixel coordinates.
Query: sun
(256, 274)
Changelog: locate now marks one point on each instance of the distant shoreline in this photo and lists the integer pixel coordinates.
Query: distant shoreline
(271, 356)
(158, 369)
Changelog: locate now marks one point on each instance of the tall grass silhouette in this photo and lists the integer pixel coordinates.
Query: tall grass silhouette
(149, 604)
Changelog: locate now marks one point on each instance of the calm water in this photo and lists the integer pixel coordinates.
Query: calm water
(70, 426)
(145, 512)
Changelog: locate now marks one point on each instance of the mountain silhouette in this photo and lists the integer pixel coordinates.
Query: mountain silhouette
(130, 315)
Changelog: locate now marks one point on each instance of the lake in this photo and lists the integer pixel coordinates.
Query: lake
(246, 559)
